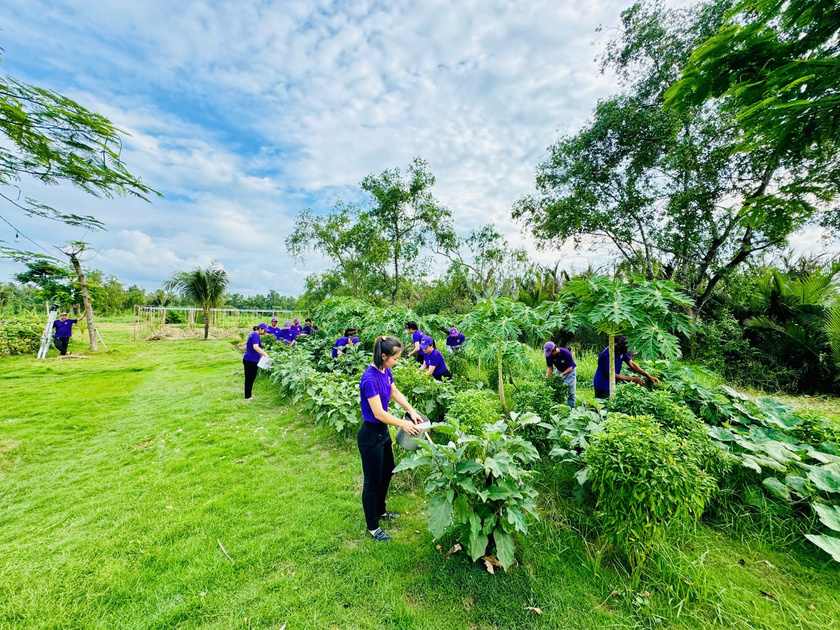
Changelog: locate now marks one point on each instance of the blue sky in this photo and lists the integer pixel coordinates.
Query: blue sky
(243, 113)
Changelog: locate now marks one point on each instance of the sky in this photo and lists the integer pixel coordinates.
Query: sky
(243, 113)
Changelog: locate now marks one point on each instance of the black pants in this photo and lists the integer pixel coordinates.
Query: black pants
(442, 375)
(377, 465)
(251, 369)
(61, 344)
(602, 393)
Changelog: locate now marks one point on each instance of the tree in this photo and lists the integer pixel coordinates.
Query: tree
(645, 311)
(405, 215)
(669, 189)
(203, 287)
(53, 139)
(775, 66)
(52, 280)
(73, 250)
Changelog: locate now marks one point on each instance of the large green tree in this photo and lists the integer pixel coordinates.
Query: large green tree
(671, 190)
(204, 287)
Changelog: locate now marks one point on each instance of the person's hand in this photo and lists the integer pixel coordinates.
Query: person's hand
(655, 380)
(638, 381)
(410, 428)
(415, 416)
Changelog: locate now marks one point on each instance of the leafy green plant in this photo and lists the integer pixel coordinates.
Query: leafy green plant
(471, 409)
(424, 393)
(536, 397)
(645, 481)
(20, 334)
(479, 482)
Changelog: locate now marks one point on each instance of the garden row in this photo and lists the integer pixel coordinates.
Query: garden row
(644, 466)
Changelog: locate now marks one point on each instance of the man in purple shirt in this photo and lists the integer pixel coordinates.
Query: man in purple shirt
(562, 360)
(455, 340)
(287, 334)
(63, 331)
(296, 327)
(274, 329)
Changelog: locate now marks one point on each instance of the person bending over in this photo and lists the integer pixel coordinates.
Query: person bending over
(376, 389)
(455, 340)
(601, 382)
(416, 336)
(561, 359)
(434, 364)
(348, 339)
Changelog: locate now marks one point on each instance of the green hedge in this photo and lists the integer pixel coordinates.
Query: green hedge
(20, 334)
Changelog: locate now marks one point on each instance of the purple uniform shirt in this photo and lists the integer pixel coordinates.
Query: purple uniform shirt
(562, 361)
(602, 374)
(286, 336)
(435, 358)
(253, 341)
(340, 343)
(455, 340)
(297, 330)
(375, 383)
(64, 329)
(274, 330)
(307, 330)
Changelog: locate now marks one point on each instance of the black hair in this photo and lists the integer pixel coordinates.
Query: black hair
(621, 343)
(349, 332)
(255, 328)
(383, 348)
(307, 320)
(411, 325)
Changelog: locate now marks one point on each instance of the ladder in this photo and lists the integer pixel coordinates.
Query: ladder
(52, 315)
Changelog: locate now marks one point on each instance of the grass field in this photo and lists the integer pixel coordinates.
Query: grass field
(120, 474)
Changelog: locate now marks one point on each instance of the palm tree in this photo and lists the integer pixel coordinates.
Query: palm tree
(203, 287)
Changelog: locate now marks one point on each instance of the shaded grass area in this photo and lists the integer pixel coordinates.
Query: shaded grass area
(120, 473)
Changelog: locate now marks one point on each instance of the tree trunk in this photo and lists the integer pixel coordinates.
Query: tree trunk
(501, 381)
(612, 365)
(206, 322)
(74, 260)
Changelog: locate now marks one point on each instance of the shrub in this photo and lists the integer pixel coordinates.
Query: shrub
(20, 334)
(424, 393)
(814, 429)
(471, 409)
(535, 397)
(645, 480)
(559, 390)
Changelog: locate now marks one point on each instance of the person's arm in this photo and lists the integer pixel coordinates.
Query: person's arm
(550, 371)
(634, 366)
(386, 418)
(260, 350)
(431, 370)
(401, 400)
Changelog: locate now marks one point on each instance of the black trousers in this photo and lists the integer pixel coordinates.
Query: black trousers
(602, 393)
(251, 369)
(61, 344)
(442, 375)
(377, 465)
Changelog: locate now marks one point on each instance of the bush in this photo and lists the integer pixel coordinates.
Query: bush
(559, 390)
(645, 480)
(814, 429)
(20, 334)
(535, 397)
(471, 409)
(425, 394)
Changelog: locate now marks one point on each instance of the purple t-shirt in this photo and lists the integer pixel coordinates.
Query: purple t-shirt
(274, 330)
(562, 361)
(417, 336)
(250, 353)
(64, 329)
(455, 340)
(308, 330)
(297, 329)
(435, 358)
(286, 336)
(602, 374)
(375, 382)
(342, 341)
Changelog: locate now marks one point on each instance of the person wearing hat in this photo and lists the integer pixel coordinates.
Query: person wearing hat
(433, 362)
(253, 351)
(63, 331)
(601, 382)
(416, 336)
(296, 327)
(455, 340)
(273, 328)
(349, 338)
(561, 360)
(287, 334)
(376, 389)
(309, 327)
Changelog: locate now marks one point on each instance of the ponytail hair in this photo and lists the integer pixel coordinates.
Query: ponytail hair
(255, 328)
(383, 348)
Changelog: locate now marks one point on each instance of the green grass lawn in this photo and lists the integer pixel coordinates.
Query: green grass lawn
(120, 474)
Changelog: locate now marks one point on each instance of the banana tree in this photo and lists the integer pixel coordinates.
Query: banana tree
(648, 312)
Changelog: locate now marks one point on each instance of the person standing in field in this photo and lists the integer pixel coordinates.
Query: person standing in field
(63, 331)
(434, 364)
(601, 382)
(416, 336)
(561, 359)
(376, 389)
(296, 327)
(274, 329)
(455, 340)
(251, 359)
(309, 327)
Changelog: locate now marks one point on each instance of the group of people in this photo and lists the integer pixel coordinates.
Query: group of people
(560, 360)
(254, 350)
(291, 331)
(425, 351)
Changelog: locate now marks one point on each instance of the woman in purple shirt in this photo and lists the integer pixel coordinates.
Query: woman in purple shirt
(416, 336)
(63, 331)
(273, 328)
(296, 327)
(253, 351)
(434, 364)
(376, 390)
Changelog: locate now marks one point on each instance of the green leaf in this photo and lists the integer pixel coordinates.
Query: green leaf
(777, 488)
(828, 544)
(440, 515)
(478, 540)
(797, 484)
(517, 519)
(491, 466)
(826, 478)
(504, 547)
(829, 515)
(581, 475)
(462, 509)
(469, 467)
